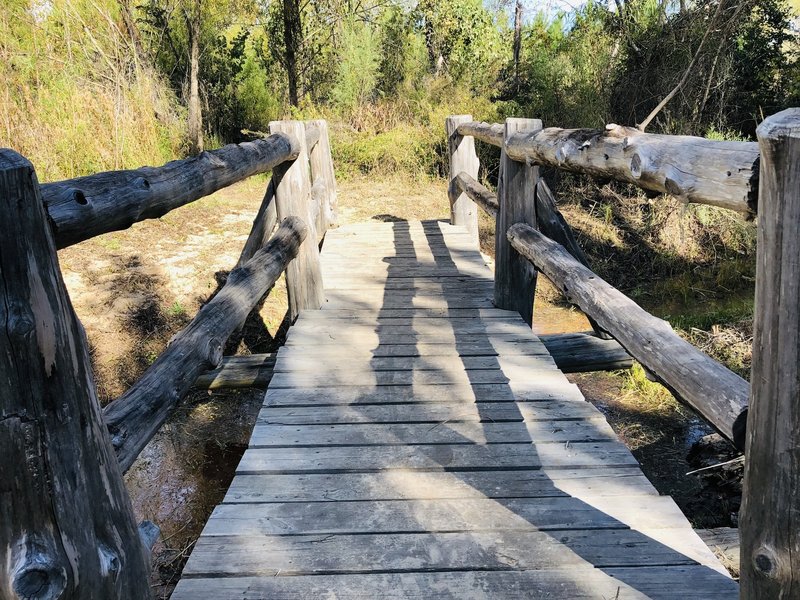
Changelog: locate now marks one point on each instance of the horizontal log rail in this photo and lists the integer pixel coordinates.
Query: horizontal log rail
(135, 417)
(693, 169)
(714, 391)
(489, 133)
(464, 183)
(85, 207)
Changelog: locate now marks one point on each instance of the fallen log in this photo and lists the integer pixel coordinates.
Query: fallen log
(67, 527)
(584, 352)
(694, 377)
(82, 208)
(692, 169)
(464, 183)
(134, 417)
(489, 133)
(254, 371)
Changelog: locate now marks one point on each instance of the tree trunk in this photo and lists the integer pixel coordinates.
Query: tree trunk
(67, 527)
(517, 41)
(292, 34)
(195, 121)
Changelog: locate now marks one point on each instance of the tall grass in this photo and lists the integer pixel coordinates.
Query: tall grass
(75, 97)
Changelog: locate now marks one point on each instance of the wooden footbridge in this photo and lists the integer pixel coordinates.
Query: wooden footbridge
(417, 439)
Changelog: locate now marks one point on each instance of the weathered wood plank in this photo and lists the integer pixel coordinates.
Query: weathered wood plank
(85, 207)
(433, 457)
(479, 348)
(577, 583)
(322, 174)
(239, 372)
(450, 433)
(444, 515)
(289, 362)
(582, 352)
(714, 391)
(409, 485)
(420, 394)
(323, 554)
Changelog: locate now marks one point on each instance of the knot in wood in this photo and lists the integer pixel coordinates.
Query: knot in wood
(41, 579)
(767, 562)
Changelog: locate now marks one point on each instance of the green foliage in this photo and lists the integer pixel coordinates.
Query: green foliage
(76, 98)
(357, 71)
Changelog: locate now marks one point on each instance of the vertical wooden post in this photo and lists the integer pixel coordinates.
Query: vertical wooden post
(67, 528)
(322, 175)
(463, 211)
(770, 517)
(514, 276)
(293, 197)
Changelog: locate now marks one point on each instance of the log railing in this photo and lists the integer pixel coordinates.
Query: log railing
(761, 418)
(66, 521)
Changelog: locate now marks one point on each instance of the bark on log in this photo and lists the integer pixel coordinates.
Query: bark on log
(67, 528)
(85, 207)
(254, 371)
(135, 416)
(769, 523)
(714, 391)
(584, 352)
(322, 173)
(293, 197)
(463, 211)
(553, 224)
(489, 133)
(692, 169)
(263, 225)
(514, 277)
(463, 183)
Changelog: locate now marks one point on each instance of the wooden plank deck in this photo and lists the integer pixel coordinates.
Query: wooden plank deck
(415, 442)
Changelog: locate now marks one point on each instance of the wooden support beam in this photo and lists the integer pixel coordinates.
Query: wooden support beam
(463, 158)
(692, 169)
(253, 371)
(480, 195)
(769, 524)
(135, 416)
(584, 352)
(86, 207)
(694, 377)
(489, 133)
(553, 224)
(67, 528)
(263, 225)
(293, 196)
(514, 277)
(323, 176)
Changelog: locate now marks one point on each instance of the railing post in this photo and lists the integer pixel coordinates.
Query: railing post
(462, 158)
(770, 516)
(514, 276)
(293, 197)
(67, 528)
(323, 177)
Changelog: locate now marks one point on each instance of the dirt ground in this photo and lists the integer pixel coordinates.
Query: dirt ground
(134, 289)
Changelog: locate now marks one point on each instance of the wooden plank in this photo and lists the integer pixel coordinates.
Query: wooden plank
(433, 457)
(444, 515)
(499, 327)
(346, 335)
(491, 347)
(582, 352)
(577, 583)
(423, 433)
(368, 315)
(329, 554)
(298, 361)
(460, 397)
(409, 485)
(336, 299)
(462, 159)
